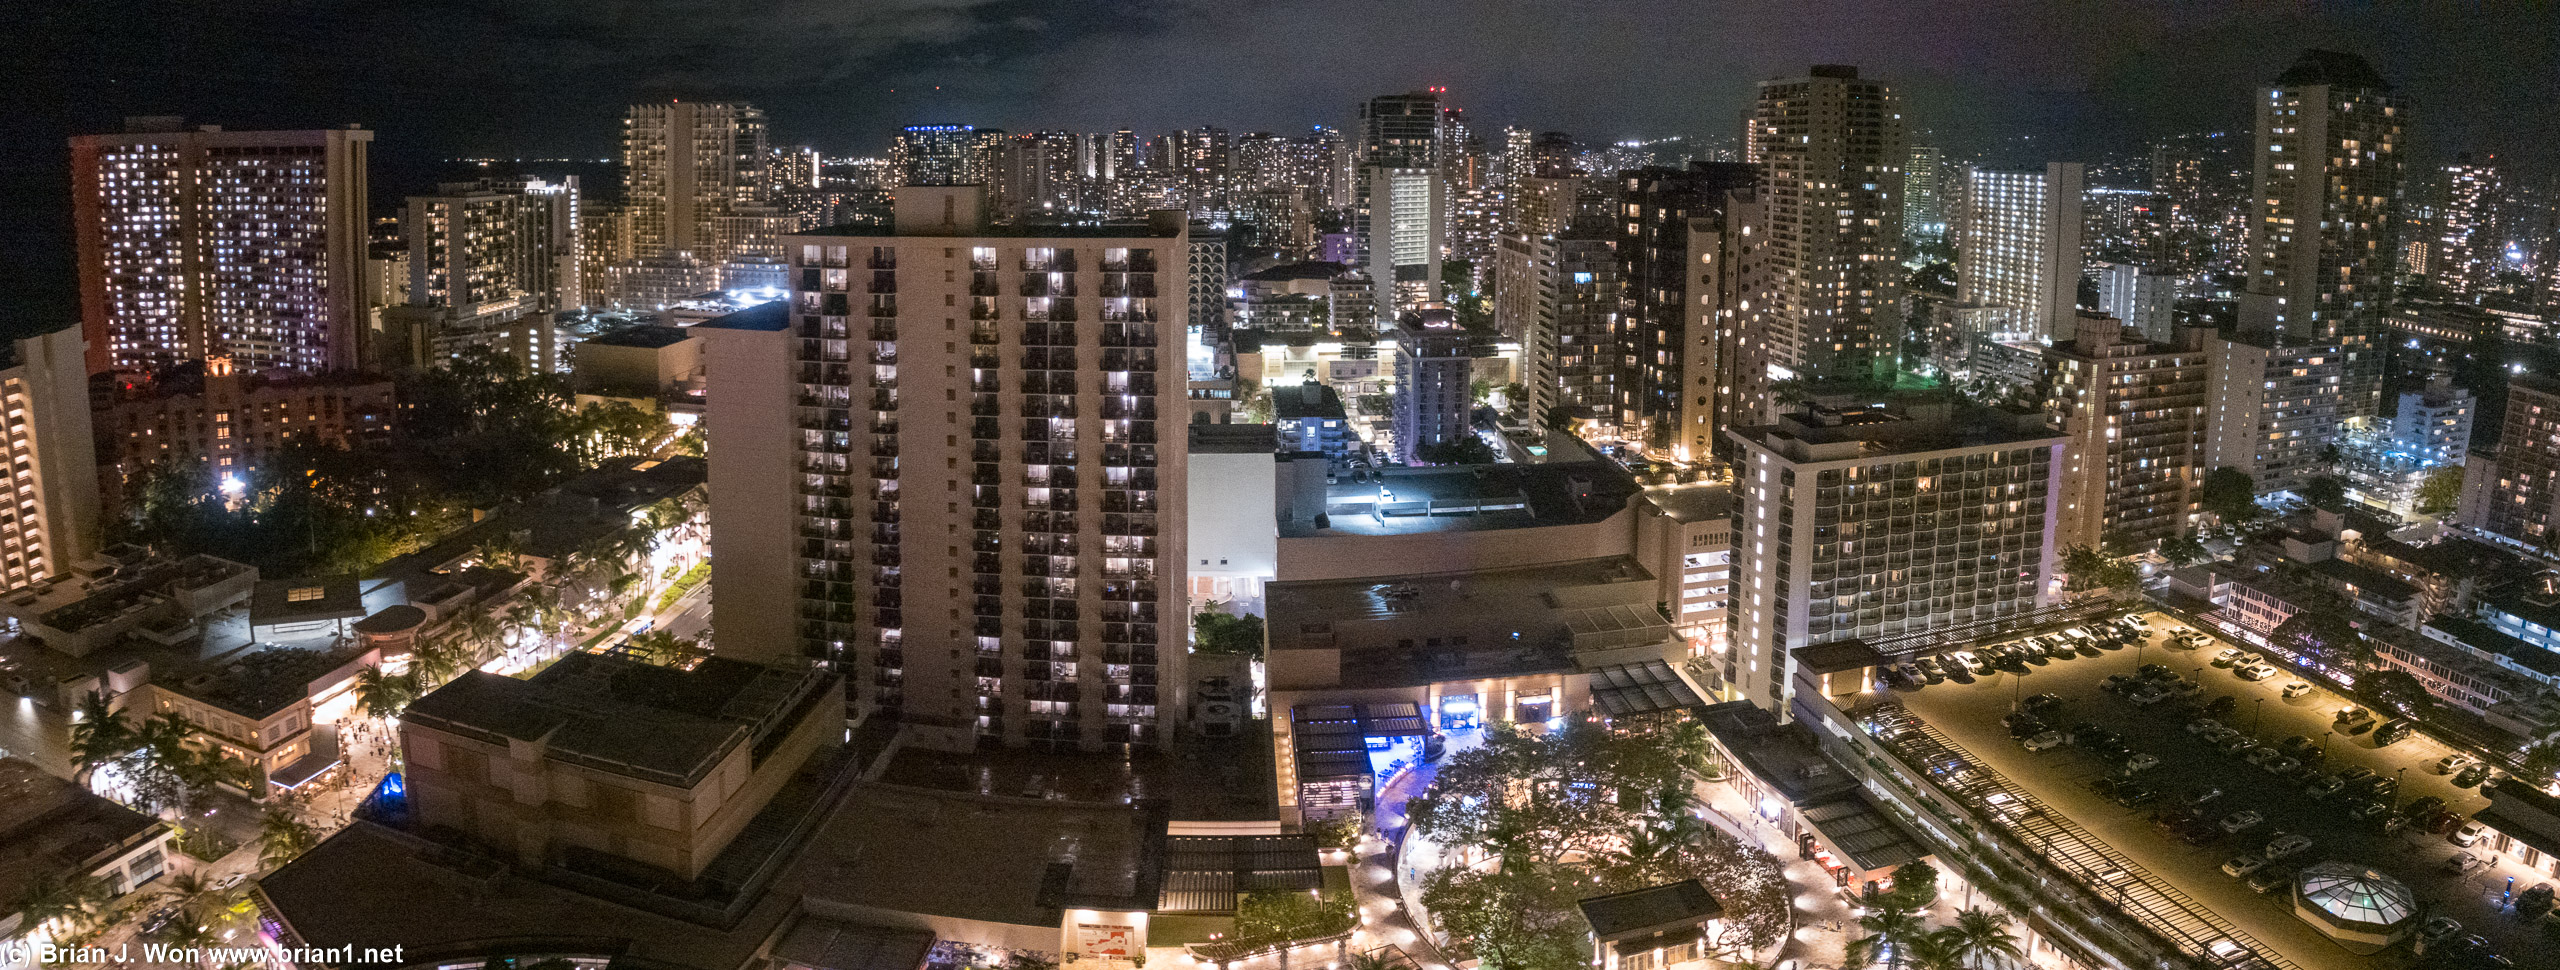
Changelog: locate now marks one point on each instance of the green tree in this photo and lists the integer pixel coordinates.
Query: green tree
(662, 647)
(2088, 569)
(1215, 631)
(99, 734)
(2184, 549)
(1465, 450)
(2325, 491)
(1916, 883)
(2441, 491)
(2230, 494)
(74, 900)
(1893, 929)
(2396, 690)
(1980, 936)
(2541, 762)
(2326, 634)
(282, 837)
(381, 695)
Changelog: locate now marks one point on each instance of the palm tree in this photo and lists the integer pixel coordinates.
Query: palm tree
(434, 660)
(1892, 929)
(1981, 936)
(382, 695)
(1934, 951)
(661, 647)
(478, 631)
(72, 899)
(99, 733)
(195, 896)
(281, 837)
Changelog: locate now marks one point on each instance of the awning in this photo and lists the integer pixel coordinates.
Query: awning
(1651, 687)
(1206, 874)
(2517, 829)
(1872, 840)
(818, 943)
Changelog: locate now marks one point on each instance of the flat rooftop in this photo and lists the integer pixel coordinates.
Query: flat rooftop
(652, 336)
(51, 828)
(1472, 498)
(262, 682)
(1898, 428)
(1692, 503)
(773, 316)
(1024, 860)
(1490, 623)
(619, 715)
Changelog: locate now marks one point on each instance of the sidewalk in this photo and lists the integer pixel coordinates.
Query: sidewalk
(1814, 943)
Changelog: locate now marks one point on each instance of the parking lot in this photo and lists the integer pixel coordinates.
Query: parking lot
(1971, 715)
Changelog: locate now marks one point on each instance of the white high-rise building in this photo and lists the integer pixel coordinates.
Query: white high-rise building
(2145, 297)
(686, 164)
(2022, 249)
(1890, 526)
(1397, 225)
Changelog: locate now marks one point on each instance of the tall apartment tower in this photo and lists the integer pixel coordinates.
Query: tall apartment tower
(1697, 347)
(1561, 297)
(473, 244)
(946, 155)
(1830, 150)
(929, 405)
(2271, 407)
(52, 516)
(2022, 249)
(2323, 227)
(1400, 130)
(2143, 295)
(1924, 213)
(2134, 410)
(199, 242)
(2467, 239)
(1397, 224)
(2514, 492)
(1433, 366)
(686, 164)
(1890, 525)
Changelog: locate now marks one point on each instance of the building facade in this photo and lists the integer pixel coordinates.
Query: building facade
(1433, 397)
(2145, 297)
(228, 424)
(2324, 217)
(1887, 526)
(686, 164)
(2134, 411)
(1035, 617)
(203, 242)
(2271, 408)
(2022, 248)
(51, 519)
(1830, 150)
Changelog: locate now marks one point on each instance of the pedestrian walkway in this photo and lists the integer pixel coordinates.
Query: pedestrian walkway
(1823, 920)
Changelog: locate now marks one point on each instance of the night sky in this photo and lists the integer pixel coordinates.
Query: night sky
(2017, 81)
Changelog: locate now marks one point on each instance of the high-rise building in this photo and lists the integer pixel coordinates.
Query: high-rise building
(1696, 345)
(2514, 492)
(2468, 245)
(2134, 410)
(1036, 618)
(203, 242)
(2433, 424)
(1401, 130)
(2271, 408)
(1830, 150)
(492, 255)
(1888, 525)
(1923, 213)
(1397, 223)
(2022, 248)
(1560, 297)
(1038, 176)
(946, 155)
(2324, 227)
(1204, 159)
(685, 164)
(1434, 362)
(2200, 182)
(52, 514)
(2143, 295)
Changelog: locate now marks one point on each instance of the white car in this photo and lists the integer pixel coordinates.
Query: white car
(2202, 725)
(2241, 865)
(2227, 657)
(2241, 821)
(2258, 672)
(2452, 763)
(2048, 739)
(2296, 689)
(2469, 833)
(2288, 846)
(2141, 761)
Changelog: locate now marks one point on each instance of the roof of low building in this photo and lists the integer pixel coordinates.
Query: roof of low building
(624, 716)
(307, 600)
(1653, 909)
(1301, 402)
(654, 337)
(50, 827)
(772, 316)
(1234, 439)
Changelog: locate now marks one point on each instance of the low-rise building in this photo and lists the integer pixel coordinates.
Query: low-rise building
(275, 710)
(227, 424)
(648, 365)
(126, 591)
(53, 831)
(1309, 417)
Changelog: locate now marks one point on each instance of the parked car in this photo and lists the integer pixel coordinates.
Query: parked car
(2235, 744)
(2470, 776)
(2130, 795)
(2201, 725)
(2044, 741)
(2241, 821)
(2288, 846)
(2441, 822)
(2296, 689)
(2222, 704)
(2357, 727)
(2281, 766)
(1959, 673)
(2469, 833)
(160, 919)
(2227, 657)
(2041, 703)
(2115, 682)
(2243, 864)
(2351, 714)
(2258, 672)
(2202, 798)
(2156, 672)
(2186, 688)
(2452, 763)
(2141, 761)
(2392, 731)
(2437, 929)
(2367, 810)
(2260, 756)
(2323, 786)
(2423, 807)
(2270, 879)
(2149, 696)
(2463, 862)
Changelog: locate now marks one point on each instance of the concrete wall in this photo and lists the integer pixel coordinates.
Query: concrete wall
(1347, 556)
(1234, 537)
(754, 591)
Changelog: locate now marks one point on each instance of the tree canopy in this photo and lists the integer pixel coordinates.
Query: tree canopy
(1216, 631)
(1466, 450)
(2230, 494)
(2440, 491)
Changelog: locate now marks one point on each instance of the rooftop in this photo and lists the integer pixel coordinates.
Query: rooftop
(1233, 439)
(262, 682)
(306, 600)
(50, 827)
(623, 716)
(2483, 637)
(653, 337)
(1486, 623)
(1306, 401)
(1692, 503)
(1783, 755)
(1025, 859)
(1317, 270)
(1904, 426)
(1002, 230)
(1654, 909)
(1472, 498)
(773, 316)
